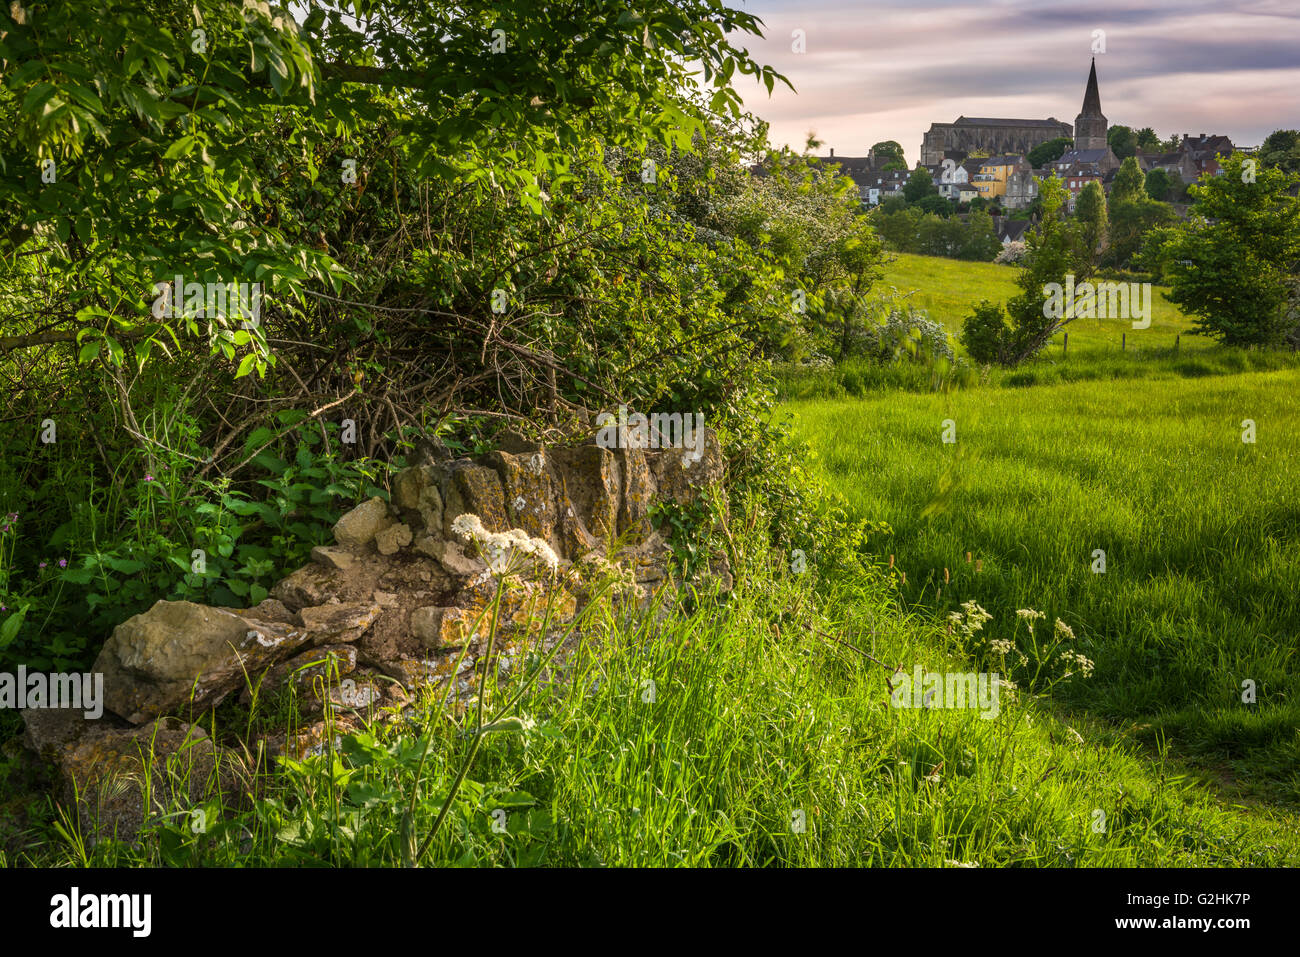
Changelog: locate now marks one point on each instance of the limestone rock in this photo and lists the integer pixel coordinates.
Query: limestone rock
(638, 488)
(333, 556)
(48, 731)
(416, 492)
(315, 739)
(528, 489)
(153, 661)
(413, 673)
(451, 556)
(109, 772)
(359, 526)
(440, 628)
(270, 609)
(304, 668)
(392, 538)
(475, 489)
(588, 498)
(317, 584)
(680, 476)
(341, 622)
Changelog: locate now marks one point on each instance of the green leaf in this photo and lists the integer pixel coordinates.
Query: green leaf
(9, 630)
(182, 147)
(508, 725)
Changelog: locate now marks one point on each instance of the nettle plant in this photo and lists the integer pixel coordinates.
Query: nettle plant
(169, 536)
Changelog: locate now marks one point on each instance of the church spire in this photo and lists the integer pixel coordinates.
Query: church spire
(1090, 126)
(1092, 98)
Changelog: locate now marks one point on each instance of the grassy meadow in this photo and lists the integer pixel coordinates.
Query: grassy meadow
(752, 733)
(1097, 349)
(1197, 605)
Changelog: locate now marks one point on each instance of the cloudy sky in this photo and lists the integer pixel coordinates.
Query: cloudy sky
(877, 71)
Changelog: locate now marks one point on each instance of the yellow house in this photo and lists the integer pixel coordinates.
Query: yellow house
(991, 180)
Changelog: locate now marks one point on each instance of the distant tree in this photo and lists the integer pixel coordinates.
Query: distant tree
(940, 236)
(1172, 144)
(894, 204)
(1091, 223)
(1027, 325)
(1049, 152)
(890, 151)
(899, 228)
(936, 204)
(1242, 286)
(1281, 148)
(919, 185)
(1147, 139)
(1159, 184)
(1129, 185)
(1130, 223)
(981, 241)
(979, 202)
(1123, 141)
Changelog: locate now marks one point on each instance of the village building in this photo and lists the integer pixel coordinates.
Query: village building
(988, 135)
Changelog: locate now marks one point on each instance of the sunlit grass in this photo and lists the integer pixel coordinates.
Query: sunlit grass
(1201, 534)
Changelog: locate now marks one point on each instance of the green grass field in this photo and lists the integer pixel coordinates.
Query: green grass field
(1201, 535)
(1139, 455)
(1097, 349)
(948, 288)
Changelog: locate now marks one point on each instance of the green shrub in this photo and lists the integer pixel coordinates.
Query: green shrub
(986, 333)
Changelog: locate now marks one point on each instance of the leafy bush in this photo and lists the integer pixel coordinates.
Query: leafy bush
(986, 334)
(907, 333)
(68, 577)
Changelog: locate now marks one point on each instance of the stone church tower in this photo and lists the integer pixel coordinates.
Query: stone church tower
(1090, 125)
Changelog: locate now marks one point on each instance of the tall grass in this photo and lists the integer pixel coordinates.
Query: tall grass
(1201, 534)
(752, 731)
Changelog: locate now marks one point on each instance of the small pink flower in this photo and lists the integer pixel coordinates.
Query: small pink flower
(63, 563)
(148, 477)
(41, 565)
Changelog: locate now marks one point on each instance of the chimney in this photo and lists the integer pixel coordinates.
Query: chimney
(832, 152)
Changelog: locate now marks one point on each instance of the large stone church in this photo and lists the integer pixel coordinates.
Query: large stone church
(996, 137)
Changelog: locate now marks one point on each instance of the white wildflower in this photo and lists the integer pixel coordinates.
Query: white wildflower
(468, 526)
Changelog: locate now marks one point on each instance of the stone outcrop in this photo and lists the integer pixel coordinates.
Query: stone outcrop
(392, 605)
(108, 771)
